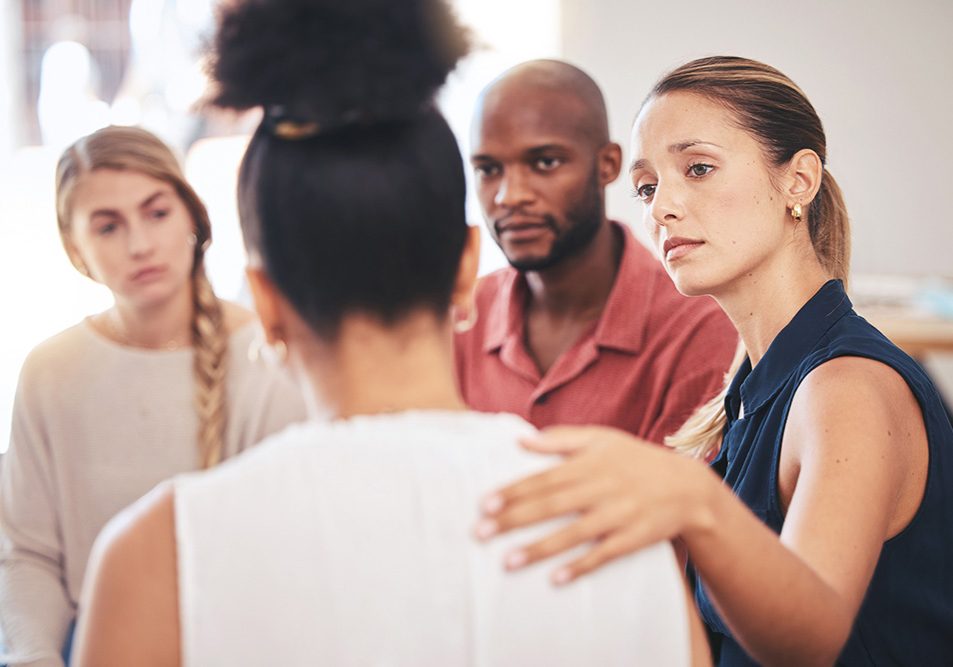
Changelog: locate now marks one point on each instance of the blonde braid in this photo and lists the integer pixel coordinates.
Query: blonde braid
(210, 344)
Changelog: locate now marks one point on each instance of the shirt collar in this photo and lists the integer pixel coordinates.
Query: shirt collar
(753, 388)
(623, 321)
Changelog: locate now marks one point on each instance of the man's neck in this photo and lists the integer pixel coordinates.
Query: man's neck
(566, 300)
(580, 285)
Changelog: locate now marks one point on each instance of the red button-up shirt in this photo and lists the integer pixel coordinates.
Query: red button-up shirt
(651, 359)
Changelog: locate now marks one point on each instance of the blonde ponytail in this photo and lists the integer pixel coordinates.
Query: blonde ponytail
(701, 433)
(829, 227)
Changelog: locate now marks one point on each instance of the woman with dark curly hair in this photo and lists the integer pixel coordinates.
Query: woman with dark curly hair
(349, 542)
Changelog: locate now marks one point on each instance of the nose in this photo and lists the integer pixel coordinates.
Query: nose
(666, 205)
(139, 240)
(514, 190)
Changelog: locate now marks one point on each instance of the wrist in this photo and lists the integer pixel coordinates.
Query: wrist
(705, 490)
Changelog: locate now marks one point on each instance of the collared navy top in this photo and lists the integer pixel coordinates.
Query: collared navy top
(907, 615)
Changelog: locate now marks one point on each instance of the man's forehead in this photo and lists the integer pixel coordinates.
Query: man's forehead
(535, 113)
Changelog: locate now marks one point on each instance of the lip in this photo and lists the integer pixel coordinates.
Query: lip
(517, 222)
(521, 228)
(147, 274)
(677, 247)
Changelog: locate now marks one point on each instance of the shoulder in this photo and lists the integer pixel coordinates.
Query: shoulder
(57, 354)
(146, 524)
(490, 286)
(851, 402)
(132, 593)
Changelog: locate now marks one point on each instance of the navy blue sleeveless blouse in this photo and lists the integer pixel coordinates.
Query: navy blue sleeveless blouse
(907, 615)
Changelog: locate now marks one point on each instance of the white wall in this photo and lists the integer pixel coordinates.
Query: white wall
(10, 76)
(879, 74)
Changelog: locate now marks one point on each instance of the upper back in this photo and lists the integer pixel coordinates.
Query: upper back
(351, 543)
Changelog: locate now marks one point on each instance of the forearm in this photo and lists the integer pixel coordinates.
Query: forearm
(776, 606)
(35, 614)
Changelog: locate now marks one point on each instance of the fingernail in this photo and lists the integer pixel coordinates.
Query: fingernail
(486, 528)
(515, 559)
(492, 504)
(563, 576)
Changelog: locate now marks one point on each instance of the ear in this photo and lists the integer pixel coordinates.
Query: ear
(268, 304)
(76, 259)
(609, 163)
(467, 272)
(803, 178)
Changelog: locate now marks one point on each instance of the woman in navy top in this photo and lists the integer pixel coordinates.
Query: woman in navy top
(822, 532)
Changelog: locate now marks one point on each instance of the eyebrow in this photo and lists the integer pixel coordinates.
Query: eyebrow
(680, 147)
(533, 150)
(145, 203)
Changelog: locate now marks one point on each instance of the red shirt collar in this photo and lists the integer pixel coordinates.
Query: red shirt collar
(623, 321)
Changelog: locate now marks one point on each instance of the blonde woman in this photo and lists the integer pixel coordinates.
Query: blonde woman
(822, 531)
(158, 384)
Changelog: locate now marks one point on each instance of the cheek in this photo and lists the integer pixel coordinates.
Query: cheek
(651, 228)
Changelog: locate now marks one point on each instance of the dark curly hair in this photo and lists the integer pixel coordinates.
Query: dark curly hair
(360, 207)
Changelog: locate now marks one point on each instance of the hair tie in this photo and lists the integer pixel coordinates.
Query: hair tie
(283, 126)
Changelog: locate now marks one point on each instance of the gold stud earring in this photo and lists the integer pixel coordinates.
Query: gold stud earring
(796, 212)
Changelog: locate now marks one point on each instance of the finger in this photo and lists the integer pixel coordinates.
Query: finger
(562, 439)
(541, 507)
(540, 483)
(585, 529)
(639, 534)
(611, 548)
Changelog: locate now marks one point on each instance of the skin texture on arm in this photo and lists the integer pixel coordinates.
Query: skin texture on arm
(788, 601)
(130, 614)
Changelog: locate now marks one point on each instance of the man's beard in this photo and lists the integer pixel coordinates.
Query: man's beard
(584, 220)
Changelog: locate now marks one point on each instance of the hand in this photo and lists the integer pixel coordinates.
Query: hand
(628, 493)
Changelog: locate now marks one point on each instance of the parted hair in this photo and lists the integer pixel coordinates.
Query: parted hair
(135, 149)
(777, 113)
(352, 190)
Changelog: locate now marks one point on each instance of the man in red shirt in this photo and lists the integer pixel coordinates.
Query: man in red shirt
(585, 327)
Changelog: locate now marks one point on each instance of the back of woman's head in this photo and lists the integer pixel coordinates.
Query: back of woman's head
(127, 149)
(352, 190)
(776, 112)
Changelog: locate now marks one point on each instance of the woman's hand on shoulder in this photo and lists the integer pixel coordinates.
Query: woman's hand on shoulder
(627, 493)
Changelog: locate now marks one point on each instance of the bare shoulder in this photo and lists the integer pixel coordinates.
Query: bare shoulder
(858, 417)
(130, 611)
(236, 316)
(855, 385)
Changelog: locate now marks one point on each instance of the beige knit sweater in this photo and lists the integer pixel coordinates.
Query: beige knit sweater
(95, 426)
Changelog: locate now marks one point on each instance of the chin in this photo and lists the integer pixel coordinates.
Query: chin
(689, 283)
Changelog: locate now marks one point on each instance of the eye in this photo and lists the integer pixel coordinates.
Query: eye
(699, 170)
(547, 163)
(158, 214)
(486, 170)
(106, 229)
(643, 192)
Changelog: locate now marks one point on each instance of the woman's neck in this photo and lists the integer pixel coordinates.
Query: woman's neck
(373, 369)
(163, 326)
(761, 303)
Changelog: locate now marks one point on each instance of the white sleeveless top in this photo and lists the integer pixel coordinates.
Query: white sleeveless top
(351, 543)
